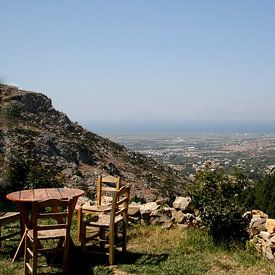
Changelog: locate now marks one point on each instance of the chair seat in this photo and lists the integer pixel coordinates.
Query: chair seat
(6, 216)
(48, 234)
(103, 221)
(96, 208)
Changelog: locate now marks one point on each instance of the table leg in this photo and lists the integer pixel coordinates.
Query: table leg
(25, 223)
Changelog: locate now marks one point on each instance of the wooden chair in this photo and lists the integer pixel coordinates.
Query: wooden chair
(7, 218)
(106, 187)
(109, 230)
(51, 219)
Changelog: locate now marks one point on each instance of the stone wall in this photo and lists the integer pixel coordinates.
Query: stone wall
(181, 214)
(262, 232)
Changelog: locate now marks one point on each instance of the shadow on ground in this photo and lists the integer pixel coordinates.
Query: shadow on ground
(87, 264)
(98, 264)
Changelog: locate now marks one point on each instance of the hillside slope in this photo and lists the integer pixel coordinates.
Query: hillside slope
(33, 133)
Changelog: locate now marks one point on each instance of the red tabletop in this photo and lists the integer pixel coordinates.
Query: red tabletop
(31, 195)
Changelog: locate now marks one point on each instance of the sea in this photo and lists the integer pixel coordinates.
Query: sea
(117, 128)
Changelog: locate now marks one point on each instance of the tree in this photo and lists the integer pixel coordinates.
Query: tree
(213, 193)
(27, 174)
(261, 195)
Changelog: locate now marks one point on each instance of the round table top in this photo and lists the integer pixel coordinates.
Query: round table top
(31, 195)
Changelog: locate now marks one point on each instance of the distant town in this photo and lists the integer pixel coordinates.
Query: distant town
(189, 153)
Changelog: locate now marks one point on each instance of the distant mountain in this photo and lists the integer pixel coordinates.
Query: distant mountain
(41, 146)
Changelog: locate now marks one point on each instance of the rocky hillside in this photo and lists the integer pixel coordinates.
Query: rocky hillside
(41, 146)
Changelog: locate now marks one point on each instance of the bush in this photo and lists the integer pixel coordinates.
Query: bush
(39, 176)
(138, 199)
(213, 194)
(28, 174)
(261, 195)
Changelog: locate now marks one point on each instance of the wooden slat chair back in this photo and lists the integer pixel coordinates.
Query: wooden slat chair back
(51, 219)
(110, 226)
(106, 186)
(6, 219)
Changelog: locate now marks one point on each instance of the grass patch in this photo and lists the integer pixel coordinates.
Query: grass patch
(180, 251)
(152, 250)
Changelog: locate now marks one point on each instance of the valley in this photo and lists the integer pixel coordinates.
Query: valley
(188, 152)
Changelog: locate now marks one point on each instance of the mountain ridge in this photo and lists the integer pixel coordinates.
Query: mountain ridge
(33, 132)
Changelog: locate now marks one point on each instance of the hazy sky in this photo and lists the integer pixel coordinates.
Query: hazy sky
(143, 61)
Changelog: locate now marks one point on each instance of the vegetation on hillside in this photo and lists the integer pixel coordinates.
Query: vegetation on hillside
(261, 195)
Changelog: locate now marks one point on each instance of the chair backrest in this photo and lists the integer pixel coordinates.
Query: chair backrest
(52, 214)
(10, 217)
(107, 186)
(120, 204)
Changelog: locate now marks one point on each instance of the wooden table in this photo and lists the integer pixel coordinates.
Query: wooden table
(24, 198)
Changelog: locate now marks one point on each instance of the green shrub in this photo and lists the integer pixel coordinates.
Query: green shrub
(39, 176)
(138, 199)
(213, 194)
(261, 195)
(27, 174)
(78, 173)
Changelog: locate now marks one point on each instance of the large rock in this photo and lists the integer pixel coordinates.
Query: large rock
(264, 235)
(183, 203)
(178, 216)
(270, 247)
(148, 207)
(134, 210)
(270, 225)
(257, 224)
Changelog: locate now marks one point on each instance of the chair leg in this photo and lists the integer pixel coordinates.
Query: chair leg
(82, 238)
(66, 255)
(0, 237)
(111, 247)
(22, 227)
(101, 237)
(26, 256)
(35, 258)
(34, 269)
(83, 246)
(124, 237)
(30, 268)
(80, 225)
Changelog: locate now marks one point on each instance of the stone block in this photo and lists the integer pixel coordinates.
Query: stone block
(270, 225)
(183, 203)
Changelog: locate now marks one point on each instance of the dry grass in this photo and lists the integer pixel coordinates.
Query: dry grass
(154, 239)
(152, 250)
(189, 252)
